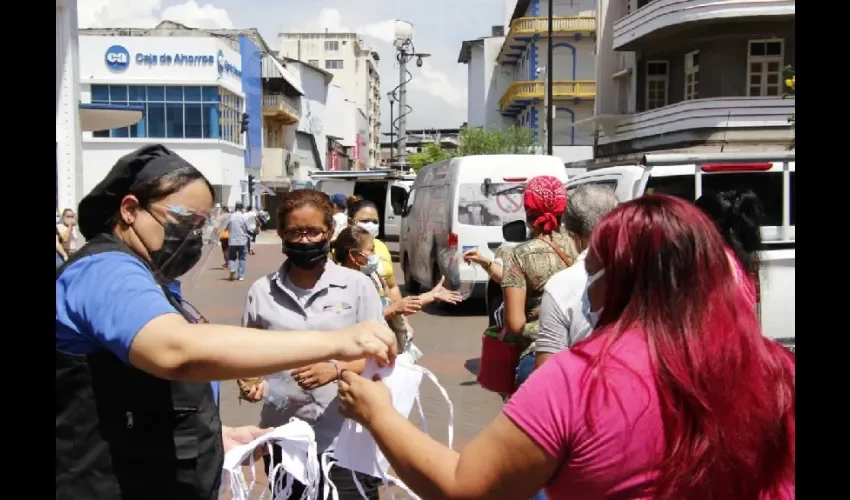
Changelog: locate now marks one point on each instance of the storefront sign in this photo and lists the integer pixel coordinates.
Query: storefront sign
(357, 147)
(118, 59)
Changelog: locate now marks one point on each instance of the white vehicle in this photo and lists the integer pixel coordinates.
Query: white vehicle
(769, 175)
(387, 189)
(460, 204)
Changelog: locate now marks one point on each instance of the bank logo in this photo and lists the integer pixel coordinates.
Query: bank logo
(117, 58)
(220, 61)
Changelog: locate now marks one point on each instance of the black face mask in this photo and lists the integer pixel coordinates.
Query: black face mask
(181, 249)
(306, 255)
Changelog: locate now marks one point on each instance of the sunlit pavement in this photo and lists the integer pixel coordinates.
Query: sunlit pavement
(449, 337)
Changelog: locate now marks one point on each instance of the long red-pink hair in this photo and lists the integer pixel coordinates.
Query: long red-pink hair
(726, 392)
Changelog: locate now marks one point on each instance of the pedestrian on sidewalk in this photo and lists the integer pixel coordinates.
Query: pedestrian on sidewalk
(251, 221)
(135, 411)
(340, 217)
(237, 243)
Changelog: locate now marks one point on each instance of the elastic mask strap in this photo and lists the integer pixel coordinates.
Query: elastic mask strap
(445, 394)
(330, 487)
(595, 276)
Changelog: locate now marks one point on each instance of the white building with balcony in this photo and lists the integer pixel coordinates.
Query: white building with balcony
(355, 69)
(507, 74)
(675, 74)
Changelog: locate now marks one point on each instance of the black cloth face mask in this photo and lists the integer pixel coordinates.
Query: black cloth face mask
(306, 255)
(182, 247)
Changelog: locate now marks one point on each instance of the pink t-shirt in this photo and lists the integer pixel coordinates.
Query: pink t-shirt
(618, 459)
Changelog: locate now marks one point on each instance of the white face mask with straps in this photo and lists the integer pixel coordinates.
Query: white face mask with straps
(299, 462)
(355, 449)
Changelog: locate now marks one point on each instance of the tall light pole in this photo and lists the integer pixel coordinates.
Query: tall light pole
(549, 81)
(405, 52)
(392, 125)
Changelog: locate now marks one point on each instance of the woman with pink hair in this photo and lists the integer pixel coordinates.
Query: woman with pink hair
(530, 265)
(675, 395)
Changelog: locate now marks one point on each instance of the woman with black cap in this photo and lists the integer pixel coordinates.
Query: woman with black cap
(135, 415)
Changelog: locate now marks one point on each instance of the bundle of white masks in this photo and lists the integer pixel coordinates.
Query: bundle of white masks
(357, 450)
(299, 462)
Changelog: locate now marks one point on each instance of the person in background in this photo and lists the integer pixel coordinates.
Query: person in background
(67, 230)
(237, 243)
(135, 412)
(251, 222)
(61, 255)
(354, 248)
(676, 395)
(340, 218)
(737, 215)
(364, 213)
(530, 265)
(564, 311)
(309, 292)
(223, 233)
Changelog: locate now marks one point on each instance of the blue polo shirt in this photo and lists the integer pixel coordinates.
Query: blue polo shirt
(103, 300)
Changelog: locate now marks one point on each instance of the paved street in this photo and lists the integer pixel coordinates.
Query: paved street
(450, 339)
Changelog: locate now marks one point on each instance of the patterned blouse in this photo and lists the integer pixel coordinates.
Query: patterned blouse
(530, 266)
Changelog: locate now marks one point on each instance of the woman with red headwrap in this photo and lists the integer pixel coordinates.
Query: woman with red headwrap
(532, 263)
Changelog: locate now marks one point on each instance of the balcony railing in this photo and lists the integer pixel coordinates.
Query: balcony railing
(561, 89)
(721, 113)
(540, 25)
(281, 105)
(659, 15)
(523, 28)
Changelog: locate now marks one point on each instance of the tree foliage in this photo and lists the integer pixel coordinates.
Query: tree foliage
(476, 141)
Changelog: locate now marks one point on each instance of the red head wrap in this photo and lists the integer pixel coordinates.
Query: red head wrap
(545, 200)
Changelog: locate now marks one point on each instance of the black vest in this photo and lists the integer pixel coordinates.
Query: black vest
(124, 434)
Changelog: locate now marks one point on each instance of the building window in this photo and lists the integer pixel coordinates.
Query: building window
(331, 45)
(313, 62)
(657, 80)
(333, 64)
(692, 75)
(764, 68)
(174, 112)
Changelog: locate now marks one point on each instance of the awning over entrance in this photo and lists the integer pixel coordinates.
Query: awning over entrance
(107, 116)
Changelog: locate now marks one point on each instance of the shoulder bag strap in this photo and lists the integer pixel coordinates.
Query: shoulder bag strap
(561, 254)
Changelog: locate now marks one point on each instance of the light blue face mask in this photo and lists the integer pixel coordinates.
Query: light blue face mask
(592, 316)
(371, 265)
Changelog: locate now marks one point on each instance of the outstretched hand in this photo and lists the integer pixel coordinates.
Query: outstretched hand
(441, 294)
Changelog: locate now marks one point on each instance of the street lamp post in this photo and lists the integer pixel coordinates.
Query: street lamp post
(392, 125)
(405, 52)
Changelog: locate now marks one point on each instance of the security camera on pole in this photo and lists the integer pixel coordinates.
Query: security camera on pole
(405, 52)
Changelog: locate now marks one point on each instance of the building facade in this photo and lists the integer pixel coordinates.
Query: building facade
(686, 75)
(511, 80)
(354, 67)
(193, 90)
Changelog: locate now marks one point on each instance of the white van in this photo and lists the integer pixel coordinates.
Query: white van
(387, 189)
(769, 175)
(460, 204)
